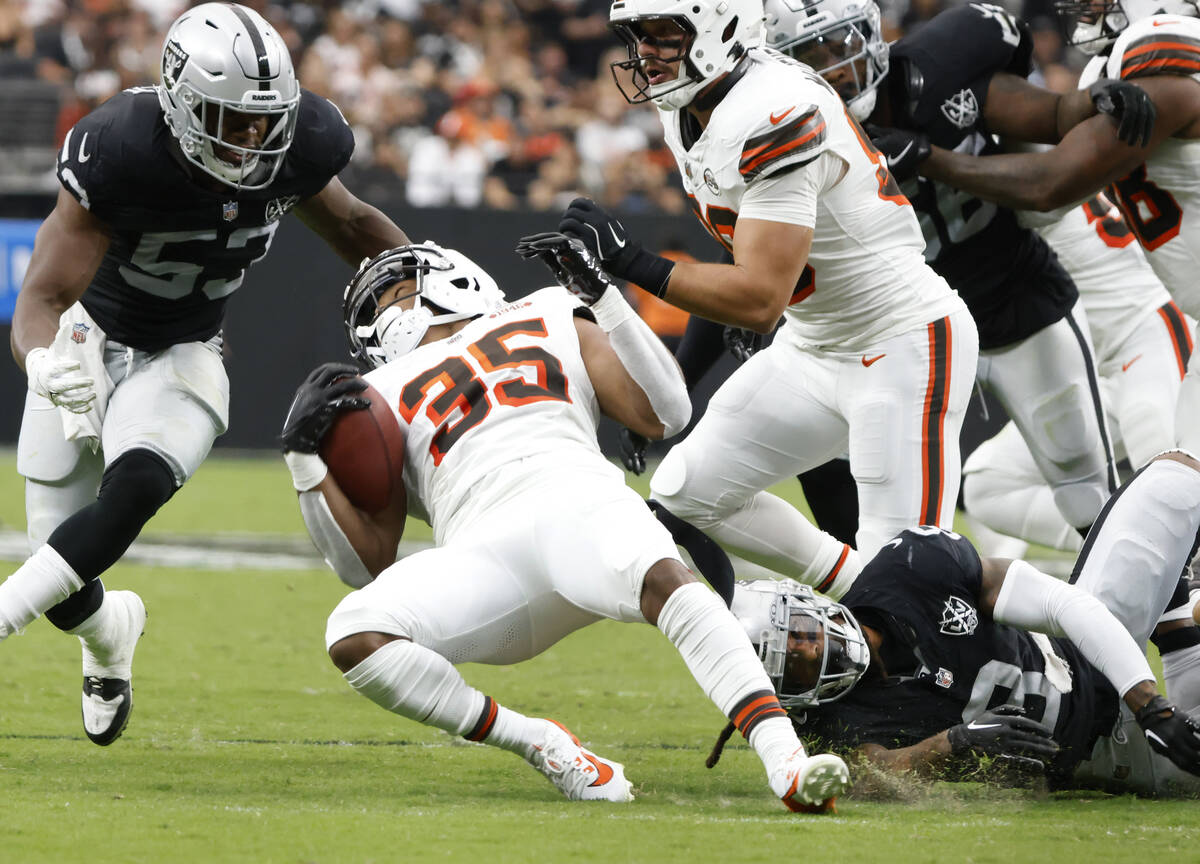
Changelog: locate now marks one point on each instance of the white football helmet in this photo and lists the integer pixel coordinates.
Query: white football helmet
(448, 286)
(219, 58)
(1096, 24)
(830, 653)
(831, 35)
(715, 35)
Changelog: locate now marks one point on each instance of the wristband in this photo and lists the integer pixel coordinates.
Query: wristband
(648, 271)
(611, 309)
(308, 469)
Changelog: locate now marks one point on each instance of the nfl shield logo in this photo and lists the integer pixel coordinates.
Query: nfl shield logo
(79, 332)
(944, 677)
(229, 210)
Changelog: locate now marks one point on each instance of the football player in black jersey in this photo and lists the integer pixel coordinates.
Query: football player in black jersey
(168, 194)
(959, 79)
(935, 655)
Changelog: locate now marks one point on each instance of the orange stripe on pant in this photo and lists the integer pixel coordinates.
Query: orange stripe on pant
(933, 455)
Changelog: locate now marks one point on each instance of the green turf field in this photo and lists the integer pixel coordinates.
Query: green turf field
(245, 745)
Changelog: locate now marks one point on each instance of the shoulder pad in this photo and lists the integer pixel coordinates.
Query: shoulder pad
(1158, 45)
(791, 136)
(324, 141)
(972, 40)
(115, 137)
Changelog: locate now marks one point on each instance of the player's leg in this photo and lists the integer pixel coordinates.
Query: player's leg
(396, 642)
(1005, 491)
(770, 420)
(1049, 386)
(1187, 410)
(906, 411)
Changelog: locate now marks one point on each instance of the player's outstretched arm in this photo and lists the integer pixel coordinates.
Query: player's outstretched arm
(1088, 158)
(353, 228)
(1019, 109)
(69, 248)
(357, 545)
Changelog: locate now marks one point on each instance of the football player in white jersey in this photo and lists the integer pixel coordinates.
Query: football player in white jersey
(876, 354)
(1143, 342)
(536, 532)
(1157, 44)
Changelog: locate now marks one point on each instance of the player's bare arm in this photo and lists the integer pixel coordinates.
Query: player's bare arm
(1019, 109)
(1088, 158)
(373, 536)
(69, 248)
(353, 228)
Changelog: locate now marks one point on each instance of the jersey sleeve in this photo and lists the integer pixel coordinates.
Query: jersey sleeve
(791, 195)
(788, 137)
(1162, 45)
(916, 571)
(324, 141)
(89, 162)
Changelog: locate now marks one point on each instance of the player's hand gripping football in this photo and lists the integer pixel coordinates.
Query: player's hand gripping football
(1007, 733)
(327, 391)
(573, 265)
(1129, 105)
(903, 149)
(58, 379)
(1171, 733)
(606, 238)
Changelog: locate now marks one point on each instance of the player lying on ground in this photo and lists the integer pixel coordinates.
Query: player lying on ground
(536, 532)
(934, 654)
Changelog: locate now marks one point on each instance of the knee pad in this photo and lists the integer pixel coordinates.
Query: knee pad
(670, 486)
(1065, 426)
(137, 484)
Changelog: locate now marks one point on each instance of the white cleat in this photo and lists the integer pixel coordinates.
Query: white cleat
(578, 773)
(810, 784)
(107, 693)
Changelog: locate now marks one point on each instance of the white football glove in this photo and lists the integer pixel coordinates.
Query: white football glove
(53, 378)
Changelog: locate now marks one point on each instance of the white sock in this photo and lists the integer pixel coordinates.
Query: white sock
(98, 633)
(44, 580)
(1181, 675)
(420, 684)
(721, 659)
(771, 532)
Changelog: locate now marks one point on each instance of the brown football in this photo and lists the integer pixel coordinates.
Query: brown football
(365, 454)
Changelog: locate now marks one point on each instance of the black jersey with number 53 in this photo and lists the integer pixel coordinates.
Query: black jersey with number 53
(948, 663)
(180, 246)
(938, 84)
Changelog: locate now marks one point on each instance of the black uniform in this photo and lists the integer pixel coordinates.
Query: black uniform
(181, 244)
(947, 663)
(1008, 276)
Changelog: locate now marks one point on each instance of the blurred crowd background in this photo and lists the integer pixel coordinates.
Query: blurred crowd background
(505, 104)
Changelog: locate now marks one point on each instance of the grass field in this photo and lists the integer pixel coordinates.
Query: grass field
(245, 745)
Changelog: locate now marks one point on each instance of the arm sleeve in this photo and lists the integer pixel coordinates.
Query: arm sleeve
(1031, 600)
(790, 195)
(646, 359)
(331, 541)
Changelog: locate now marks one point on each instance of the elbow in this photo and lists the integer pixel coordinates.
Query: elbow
(764, 317)
(1049, 193)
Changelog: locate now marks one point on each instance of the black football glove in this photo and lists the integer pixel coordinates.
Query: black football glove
(573, 265)
(741, 343)
(1171, 733)
(1005, 732)
(605, 238)
(1129, 105)
(903, 149)
(633, 450)
(327, 391)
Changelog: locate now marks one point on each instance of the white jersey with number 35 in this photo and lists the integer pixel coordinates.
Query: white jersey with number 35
(486, 408)
(779, 146)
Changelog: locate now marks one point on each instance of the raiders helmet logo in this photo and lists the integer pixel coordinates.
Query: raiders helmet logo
(173, 61)
(959, 617)
(962, 109)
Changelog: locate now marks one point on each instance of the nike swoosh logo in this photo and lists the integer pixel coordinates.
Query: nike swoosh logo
(83, 157)
(604, 772)
(1160, 23)
(894, 542)
(974, 725)
(620, 241)
(776, 119)
(867, 361)
(902, 153)
(1125, 366)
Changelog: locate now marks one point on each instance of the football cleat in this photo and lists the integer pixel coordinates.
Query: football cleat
(107, 693)
(810, 784)
(577, 772)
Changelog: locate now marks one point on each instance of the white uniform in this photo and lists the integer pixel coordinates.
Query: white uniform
(1161, 199)
(1142, 343)
(537, 534)
(876, 355)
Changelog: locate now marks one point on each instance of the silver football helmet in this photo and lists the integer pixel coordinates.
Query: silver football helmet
(713, 36)
(812, 647)
(448, 286)
(1096, 24)
(222, 58)
(831, 36)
